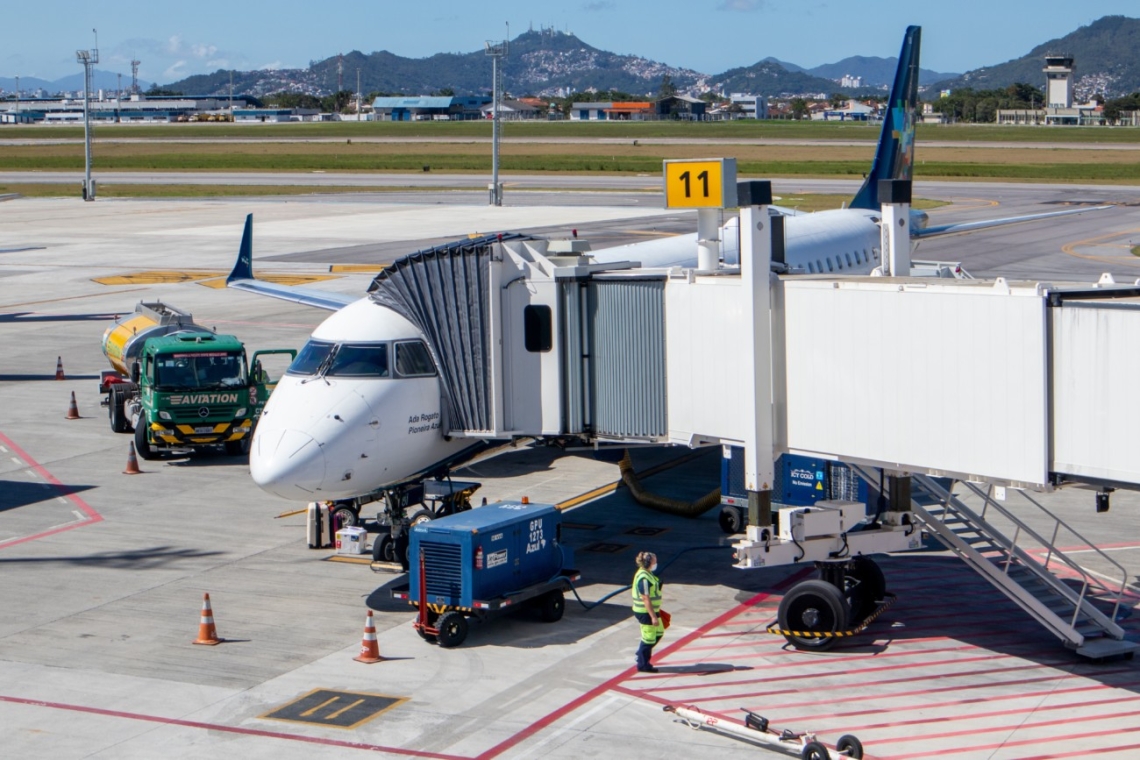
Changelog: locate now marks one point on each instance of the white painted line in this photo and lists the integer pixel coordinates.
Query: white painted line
(61, 500)
(569, 726)
(1097, 551)
(4, 449)
(31, 474)
(77, 513)
(17, 460)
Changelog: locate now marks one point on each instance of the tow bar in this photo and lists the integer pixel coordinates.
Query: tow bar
(755, 728)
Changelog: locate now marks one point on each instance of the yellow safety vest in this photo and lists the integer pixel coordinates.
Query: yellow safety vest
(654, 591)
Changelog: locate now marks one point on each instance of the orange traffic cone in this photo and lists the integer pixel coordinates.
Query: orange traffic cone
(132, 462)
(369, 647)
(72, 409)
(207, 634)
(59, 368)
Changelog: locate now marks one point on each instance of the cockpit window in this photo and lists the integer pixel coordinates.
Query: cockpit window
(360, 361)
(310, 358)
(413, 360)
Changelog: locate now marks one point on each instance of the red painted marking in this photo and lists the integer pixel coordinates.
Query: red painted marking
(600, 689)
(228, 729)
(955, 688)
(982, 699)
(992, 714)
(921, 678)
(1084, 752)
(92, 515)
(1034, 742)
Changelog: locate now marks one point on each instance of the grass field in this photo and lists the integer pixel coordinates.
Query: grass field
(791, 130)
(1025, 164)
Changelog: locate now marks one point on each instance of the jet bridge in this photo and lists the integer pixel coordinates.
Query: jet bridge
(1024, 384)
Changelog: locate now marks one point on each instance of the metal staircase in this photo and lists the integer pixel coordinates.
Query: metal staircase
(1080, 608)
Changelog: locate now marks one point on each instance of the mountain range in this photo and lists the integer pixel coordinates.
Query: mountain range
(552, 63)
(103, 80)
(1104, 52)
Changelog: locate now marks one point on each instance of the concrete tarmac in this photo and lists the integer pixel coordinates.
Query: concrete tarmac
(103, 573)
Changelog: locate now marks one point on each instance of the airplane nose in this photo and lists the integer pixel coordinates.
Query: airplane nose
(287, 463)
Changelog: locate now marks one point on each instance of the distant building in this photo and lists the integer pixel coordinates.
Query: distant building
(611, 111)
(429, 108)
(681, 107)
(851, 81)
(742, 106)
(1059, 108)
(511, 110)
(134, 109)
(852, 110)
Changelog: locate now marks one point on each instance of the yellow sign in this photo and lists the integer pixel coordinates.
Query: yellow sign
(708, 183)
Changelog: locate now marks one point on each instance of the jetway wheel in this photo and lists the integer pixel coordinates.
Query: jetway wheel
(731, 519)
(452, 629)
(864, 586)
(813, 607)
(850, 746)
(142, 443)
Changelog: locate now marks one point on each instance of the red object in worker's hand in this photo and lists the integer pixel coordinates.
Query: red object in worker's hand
(666, 618)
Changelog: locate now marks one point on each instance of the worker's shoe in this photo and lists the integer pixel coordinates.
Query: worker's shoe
(647, 669)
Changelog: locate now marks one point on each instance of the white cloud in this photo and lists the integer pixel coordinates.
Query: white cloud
(175, 71)
(219, 63)
(174, 45)
(271, 66)
(741, 6)
(203, 51)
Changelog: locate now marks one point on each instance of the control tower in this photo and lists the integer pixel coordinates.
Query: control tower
(1058, 81)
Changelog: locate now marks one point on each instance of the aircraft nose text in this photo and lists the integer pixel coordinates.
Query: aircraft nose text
(287, 463)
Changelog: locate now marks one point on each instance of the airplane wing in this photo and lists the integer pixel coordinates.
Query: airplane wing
(950, 229)
(241, 278)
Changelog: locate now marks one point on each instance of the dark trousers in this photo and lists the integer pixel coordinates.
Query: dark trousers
(644, 649)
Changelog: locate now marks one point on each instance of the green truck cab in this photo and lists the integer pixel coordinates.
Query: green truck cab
(194, 389)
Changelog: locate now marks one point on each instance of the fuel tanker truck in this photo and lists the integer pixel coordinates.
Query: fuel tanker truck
(177, 384)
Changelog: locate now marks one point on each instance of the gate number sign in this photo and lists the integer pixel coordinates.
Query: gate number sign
(705, 183)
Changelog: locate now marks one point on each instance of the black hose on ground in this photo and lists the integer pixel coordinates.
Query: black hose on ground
(664, 503)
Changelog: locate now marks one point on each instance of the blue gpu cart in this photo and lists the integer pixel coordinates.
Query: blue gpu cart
(490, 560)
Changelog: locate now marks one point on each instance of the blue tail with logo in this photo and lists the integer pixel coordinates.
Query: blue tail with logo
(894, 158)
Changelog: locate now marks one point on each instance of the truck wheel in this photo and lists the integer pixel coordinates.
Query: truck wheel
(142, 443)
(552, 606)
(452, 629)
(119, 422)
(813, 607)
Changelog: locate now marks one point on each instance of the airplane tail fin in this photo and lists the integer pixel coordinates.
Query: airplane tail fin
(243, 267)
(894, 158)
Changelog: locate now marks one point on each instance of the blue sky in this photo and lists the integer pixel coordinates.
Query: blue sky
(174, 40)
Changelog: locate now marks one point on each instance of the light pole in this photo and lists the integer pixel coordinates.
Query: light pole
(17, 99)
(88, 59)
(496, 51)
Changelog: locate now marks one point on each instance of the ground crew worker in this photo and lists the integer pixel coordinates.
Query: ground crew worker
(646, 608)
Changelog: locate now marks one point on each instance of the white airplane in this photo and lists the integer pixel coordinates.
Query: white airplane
(358, 414)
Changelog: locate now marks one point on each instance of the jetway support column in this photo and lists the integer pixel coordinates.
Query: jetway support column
(895, 195)
(755, 272)
(898, 488)
(708, 239)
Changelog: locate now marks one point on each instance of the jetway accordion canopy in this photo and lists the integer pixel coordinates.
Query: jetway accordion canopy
(444, 291)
